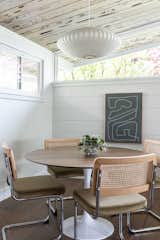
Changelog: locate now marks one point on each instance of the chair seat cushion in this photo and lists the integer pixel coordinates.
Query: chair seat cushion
(37, 186)
(157, 178)
(157, 182)
(109, 205)
(65, 171)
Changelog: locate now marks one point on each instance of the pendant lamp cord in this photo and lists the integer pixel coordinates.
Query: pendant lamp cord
(89, 12)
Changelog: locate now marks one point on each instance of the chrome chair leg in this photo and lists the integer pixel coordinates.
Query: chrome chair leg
(142, 230)
(75, 220)
(64, 198)
(120, 226)
(23, 224)
(54, 210)
(49, 211)
(145, 210)
(62, 216)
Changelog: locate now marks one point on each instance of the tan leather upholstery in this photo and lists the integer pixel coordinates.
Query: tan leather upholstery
(37, 186)
(32, 187)
(109, 205)
(157, 179)
(58, 172)
(157, 184)
(117, 184)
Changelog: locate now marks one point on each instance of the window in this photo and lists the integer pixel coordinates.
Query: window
(8, 70)
(144, 63)
(19, 72)
(30, 76)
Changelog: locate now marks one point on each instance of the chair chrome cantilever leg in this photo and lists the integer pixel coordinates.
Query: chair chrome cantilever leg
(142, 230)
(43, 220)
(145, 210)
(120, 226)
(62, 216)
(75, 220)
(21, 225)
(53, 209)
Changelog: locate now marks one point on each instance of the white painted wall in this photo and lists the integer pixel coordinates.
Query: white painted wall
(24, 123)
(79, 107)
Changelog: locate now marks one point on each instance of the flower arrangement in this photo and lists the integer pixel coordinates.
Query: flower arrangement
(90, 144)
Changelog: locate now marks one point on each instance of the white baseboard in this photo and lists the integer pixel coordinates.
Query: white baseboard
(5, 193)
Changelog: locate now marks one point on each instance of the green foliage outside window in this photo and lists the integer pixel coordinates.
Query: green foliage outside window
(145, 63)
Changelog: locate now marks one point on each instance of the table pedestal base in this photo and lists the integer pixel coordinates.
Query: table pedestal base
(88, 228)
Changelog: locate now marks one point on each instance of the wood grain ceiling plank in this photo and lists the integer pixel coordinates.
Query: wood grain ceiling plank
(68, 27)
(140, 43)
(40, 7)
(52, 19)
(128, 46)
(54, 15)
(45, 20)
(9, 5)
(122, 15)
(147, 37)
(118, 25)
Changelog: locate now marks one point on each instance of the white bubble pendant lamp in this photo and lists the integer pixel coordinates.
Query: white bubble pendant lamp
(88, 42)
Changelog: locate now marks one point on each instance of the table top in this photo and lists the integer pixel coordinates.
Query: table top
(73, 157)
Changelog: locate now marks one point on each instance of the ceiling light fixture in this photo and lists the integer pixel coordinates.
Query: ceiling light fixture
(88, 42)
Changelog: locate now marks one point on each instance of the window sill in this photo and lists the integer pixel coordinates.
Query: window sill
(20, 96)
(113, 81)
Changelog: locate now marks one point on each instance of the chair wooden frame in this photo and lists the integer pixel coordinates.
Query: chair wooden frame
(148, 149)
(11, 176)
(50, 144)
(148, 159)
(60, 142)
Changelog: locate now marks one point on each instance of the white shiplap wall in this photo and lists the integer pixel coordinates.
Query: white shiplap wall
(24, 121)
(79, 107)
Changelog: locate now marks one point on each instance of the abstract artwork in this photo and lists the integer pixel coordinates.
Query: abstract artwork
(123, 120)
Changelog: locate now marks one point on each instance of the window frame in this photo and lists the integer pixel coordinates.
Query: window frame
(58, 82)
(18, 93)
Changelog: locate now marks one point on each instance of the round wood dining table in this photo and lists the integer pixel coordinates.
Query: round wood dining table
(88, 228)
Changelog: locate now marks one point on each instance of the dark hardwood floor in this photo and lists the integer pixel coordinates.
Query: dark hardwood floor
(12, 211)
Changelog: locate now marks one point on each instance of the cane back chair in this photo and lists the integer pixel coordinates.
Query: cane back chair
(150, 146)
(116, 188)
(153, 146)
(59, 172)
(30, 188)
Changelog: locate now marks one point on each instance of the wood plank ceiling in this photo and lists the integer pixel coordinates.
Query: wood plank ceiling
(136, 21)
